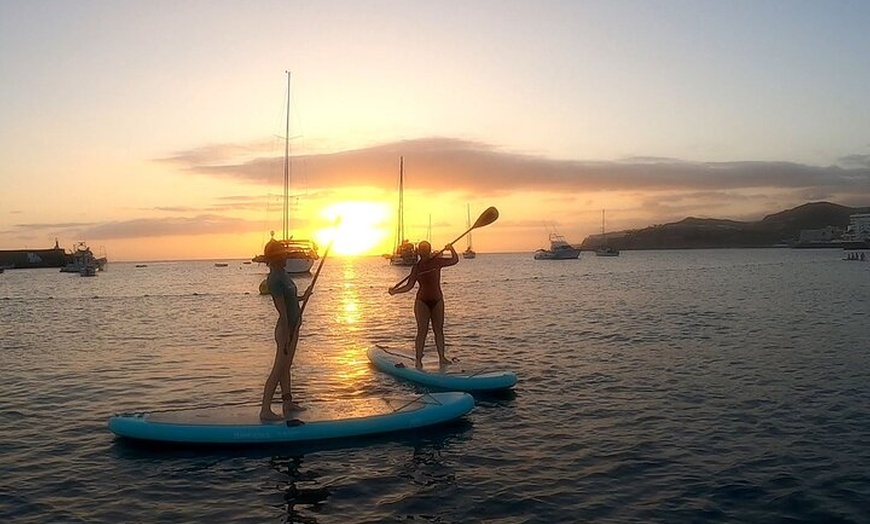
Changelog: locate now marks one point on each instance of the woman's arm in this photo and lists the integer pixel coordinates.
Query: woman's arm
(409, 285)
(454, 257)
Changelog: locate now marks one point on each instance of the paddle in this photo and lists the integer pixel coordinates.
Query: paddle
(486, 218)
(311, 286)
(314, 280)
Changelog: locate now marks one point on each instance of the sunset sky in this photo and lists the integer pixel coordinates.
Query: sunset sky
(153, 130)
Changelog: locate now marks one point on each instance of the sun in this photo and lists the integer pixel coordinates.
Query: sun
(357, 227)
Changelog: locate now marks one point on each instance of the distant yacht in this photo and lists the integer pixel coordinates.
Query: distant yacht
(559, 250)
(84, 262)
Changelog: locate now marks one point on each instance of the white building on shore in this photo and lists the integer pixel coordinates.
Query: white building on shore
(859, 228)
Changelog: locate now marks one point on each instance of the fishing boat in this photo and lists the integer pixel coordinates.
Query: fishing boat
(604, 250)
(404, 254)
(559, 249)
(84, 262)
(469, 252)
(301, 253)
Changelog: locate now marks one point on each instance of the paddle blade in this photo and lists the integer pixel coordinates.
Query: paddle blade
(486, 218)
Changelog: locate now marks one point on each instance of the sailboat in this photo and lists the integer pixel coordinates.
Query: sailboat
(301, 253)
(404, 254)
(604, 250)
(468, 253)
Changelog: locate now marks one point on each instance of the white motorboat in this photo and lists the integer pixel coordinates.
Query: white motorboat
(559, 250)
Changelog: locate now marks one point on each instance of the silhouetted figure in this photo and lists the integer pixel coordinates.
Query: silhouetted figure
(429, 304)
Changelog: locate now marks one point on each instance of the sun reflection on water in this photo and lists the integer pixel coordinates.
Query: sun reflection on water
(349, 311)
(351, 366)
(348, 360)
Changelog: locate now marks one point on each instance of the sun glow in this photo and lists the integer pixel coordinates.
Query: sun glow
(357, 227)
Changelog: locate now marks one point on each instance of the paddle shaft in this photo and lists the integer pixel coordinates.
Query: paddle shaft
(311, 288)
(314, 280)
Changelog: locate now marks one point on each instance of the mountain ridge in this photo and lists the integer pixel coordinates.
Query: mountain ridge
(782, 228)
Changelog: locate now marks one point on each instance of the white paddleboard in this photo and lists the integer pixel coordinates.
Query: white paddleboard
(451, 377)
(321, 420)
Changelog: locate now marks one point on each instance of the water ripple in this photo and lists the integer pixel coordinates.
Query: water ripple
(708, 386)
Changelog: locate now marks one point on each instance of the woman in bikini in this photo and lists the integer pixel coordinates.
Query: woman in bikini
(429, 304)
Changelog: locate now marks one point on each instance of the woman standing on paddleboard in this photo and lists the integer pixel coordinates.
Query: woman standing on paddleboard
(429, 304)
(283, 292)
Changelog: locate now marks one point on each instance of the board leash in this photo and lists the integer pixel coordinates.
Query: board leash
(434, 400)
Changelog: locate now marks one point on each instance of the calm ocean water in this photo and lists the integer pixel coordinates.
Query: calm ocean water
(679, 386)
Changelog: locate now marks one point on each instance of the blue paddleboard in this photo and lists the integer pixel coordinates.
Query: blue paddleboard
(451, 377)
(321, 420)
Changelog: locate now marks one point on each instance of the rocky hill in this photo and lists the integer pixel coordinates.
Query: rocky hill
(783, 228)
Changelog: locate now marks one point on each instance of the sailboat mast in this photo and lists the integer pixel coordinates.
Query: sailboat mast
(400, 237)
(468, 223)
(286, 217)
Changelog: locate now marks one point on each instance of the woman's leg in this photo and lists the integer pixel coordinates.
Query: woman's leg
(280, 373)
(438, 329)
(421, 313)
(288, 405)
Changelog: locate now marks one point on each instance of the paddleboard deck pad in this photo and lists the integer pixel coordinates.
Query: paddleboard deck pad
(321, 420)
(451, 378)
